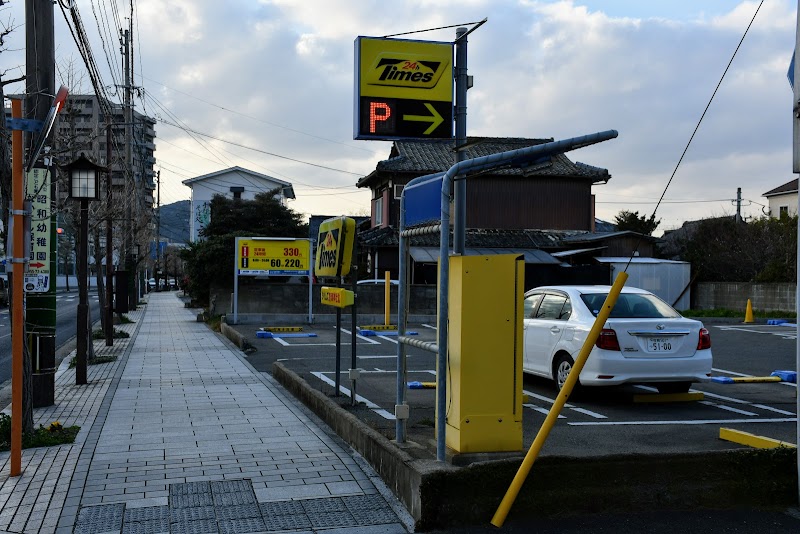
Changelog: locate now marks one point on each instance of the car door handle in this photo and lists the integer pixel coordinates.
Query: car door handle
(555, 329)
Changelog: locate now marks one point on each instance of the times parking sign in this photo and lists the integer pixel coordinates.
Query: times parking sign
(404, 89)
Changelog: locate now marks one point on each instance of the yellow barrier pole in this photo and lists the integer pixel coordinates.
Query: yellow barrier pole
(386, 299)
(519, 479)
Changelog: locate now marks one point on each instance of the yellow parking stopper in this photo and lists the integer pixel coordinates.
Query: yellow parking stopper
(751, 440)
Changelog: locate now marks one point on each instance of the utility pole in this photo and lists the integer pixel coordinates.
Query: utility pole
(738, 204)
(40, 89)
(109, 321)
(158, 229)
(129, 177)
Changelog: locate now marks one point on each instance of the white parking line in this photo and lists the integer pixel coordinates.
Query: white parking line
(548, 400)
(388, 339)
(728, 408)
(588, 412)
(359, 336)
(780, 333)
(281, 341)
(686, 422)
(371, 405)
(541, 410)
(428, 326)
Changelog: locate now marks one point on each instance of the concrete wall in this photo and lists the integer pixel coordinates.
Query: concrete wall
(292, 299)
(733, 296)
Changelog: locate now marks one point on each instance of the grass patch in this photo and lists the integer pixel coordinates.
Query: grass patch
(118, 334)
(124, 319)
(723, 312)
(98, 360)
(214, 323)
(54, 434)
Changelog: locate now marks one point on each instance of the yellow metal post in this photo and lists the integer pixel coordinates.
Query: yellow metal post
(513, 490)
(386, 299)
(484, 371)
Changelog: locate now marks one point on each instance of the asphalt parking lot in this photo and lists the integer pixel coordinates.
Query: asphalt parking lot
(601, 421)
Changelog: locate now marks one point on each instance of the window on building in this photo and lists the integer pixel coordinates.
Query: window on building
(783, 211)
(377, 209)
(237, 192)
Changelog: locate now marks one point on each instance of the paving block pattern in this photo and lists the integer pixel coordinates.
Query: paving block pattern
(181, 434)
(186, 515)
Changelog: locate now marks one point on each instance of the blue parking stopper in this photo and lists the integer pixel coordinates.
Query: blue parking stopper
(776, 321)
(263, 334)
(722, 380)
(415, 385)
(786, 376)
(367, 333)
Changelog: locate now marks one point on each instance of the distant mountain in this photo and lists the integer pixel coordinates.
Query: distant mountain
(175, 221)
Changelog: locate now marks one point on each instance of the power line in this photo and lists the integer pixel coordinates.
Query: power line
(355, 147)
(258, 149)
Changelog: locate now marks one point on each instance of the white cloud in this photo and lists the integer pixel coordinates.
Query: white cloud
(277, 75)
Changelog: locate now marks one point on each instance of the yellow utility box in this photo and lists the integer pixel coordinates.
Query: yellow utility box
(484, 374)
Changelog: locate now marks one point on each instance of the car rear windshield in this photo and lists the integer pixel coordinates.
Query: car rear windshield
(631, 306)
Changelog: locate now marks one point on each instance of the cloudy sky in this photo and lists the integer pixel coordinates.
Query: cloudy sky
(277, 76)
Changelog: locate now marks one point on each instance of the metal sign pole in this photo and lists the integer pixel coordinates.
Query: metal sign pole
(310, 280)
(796, 169)
(236, 284)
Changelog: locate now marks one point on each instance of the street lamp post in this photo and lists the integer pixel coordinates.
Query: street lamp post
(83, 187)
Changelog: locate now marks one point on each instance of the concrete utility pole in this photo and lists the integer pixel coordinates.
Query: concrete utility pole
(738, 204)
(158, 230)
(40, 88)
(109, 315)
(129, 177)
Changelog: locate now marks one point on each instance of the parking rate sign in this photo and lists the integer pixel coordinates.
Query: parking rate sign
(273, 256)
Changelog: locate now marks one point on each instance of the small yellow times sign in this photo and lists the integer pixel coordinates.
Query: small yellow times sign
(273, 256)
(335, 246)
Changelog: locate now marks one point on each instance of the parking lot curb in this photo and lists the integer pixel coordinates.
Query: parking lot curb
(440, 495)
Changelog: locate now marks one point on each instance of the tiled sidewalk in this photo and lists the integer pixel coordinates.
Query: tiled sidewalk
(181, 434)
(33, 501)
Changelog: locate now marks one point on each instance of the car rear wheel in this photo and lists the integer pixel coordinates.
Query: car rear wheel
(561, 369)
(674, 387)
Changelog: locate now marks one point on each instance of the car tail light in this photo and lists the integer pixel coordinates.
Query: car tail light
(705, 340)
(607, 340)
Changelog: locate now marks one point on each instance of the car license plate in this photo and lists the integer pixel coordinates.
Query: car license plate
(659, 344)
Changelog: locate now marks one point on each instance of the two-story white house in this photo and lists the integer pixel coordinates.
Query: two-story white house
(234, 182)
(783, 200)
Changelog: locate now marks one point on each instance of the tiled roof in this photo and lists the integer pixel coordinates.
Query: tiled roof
(788, 187)
(485, 238)
(426, 157)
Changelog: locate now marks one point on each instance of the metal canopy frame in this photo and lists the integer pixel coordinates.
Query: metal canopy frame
(519, 157)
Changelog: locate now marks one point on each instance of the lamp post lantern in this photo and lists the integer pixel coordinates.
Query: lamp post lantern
(83, 186)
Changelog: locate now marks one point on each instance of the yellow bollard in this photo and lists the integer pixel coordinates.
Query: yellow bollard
(572, 379)
(748, 314)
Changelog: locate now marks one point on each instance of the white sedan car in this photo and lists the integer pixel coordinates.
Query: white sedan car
(643, 341)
